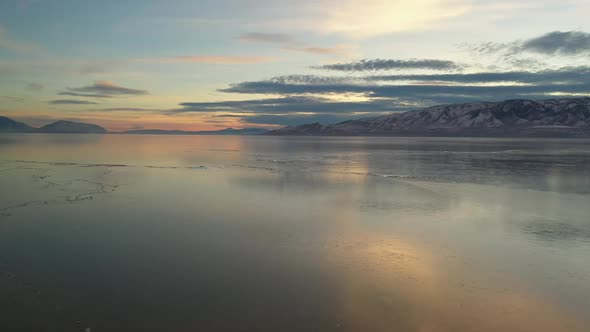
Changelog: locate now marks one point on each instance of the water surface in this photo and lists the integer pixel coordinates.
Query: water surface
(212, 233)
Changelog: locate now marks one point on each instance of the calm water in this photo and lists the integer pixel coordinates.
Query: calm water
(205, 233)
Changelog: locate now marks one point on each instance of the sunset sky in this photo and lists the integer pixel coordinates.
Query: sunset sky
(203, 65)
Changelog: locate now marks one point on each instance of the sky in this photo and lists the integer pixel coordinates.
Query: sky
(207, 65)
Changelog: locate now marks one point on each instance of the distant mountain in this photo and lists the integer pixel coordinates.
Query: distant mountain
(69, 127)
(9, 125)
(567, 117)
(227, 131)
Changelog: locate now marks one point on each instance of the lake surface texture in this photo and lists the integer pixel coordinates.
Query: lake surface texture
(210, 233)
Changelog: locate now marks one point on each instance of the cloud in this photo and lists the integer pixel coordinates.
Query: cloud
(291, 104)
(314, 79)
(13, 99)
(220, 59)
(103, 89)
(13, 45)
(539, 85)
(410, 90)
(49, 65)
(287, 43)
(70, 102)
(340, 50)
(326, 99)
(76, 94)
(566, 75)
(555, 43)
(35, 86)
(391, 64)
(129, 109)
(293, 110)
(211, 59)
(259, 37)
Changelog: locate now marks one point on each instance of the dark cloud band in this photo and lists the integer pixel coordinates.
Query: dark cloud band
(391, 64)
(571, 75)
(566, 43)
(557, 42)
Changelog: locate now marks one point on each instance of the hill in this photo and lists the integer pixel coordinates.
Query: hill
(9, 125)
(69, 127)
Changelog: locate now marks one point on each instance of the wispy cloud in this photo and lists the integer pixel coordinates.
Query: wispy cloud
(13, 99)
(71, 102)
(14, 45)
(130, 109)
(339, 50)
(211, 59)
(391, 64)
(35, 86)
(76, 94)
(260, 37)
(63, 65)
(127, 109)
(289, 104)
(286, 42)
(103, 89)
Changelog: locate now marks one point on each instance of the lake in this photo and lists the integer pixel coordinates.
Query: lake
(247, 233)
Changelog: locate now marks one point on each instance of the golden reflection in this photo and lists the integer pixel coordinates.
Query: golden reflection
(390, 283)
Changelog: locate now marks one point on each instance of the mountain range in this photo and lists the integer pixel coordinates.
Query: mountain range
(566, 117)
(8, 125)
(70, 127)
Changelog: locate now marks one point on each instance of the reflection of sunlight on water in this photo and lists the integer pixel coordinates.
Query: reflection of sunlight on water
(390, 280)
(387, 282)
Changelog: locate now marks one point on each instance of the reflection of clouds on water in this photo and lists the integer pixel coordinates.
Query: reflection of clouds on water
(552, 166)
(554, 230)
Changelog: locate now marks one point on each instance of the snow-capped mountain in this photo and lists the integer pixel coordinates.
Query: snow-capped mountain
(552, 117)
